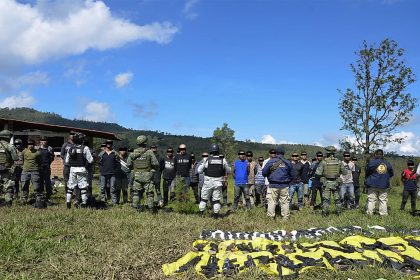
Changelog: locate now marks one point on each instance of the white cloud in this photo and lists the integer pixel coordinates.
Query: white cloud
(97, 112)
(268, 139)
(123, 79)
(29, 35)
(13, 83)
(19, 100)
(189, 9)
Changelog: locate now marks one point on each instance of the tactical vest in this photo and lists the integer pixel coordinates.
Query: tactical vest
(78, 159)
(5, 157)
(215, 167)
(142, 162)
(45, 156)
(331, 168)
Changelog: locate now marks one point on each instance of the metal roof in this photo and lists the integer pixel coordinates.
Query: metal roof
(19, 125)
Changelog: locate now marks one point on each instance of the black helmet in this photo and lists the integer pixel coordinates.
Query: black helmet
(214, 149)
(18, 141)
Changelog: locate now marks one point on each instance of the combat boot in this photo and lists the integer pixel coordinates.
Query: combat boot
(68, 205)
(216, 216)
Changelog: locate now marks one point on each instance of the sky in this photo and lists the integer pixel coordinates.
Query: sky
(270, 69)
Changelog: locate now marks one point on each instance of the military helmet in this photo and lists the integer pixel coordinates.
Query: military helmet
(182, 147)
(214, 149)
(5, 134)
(331, 149)
(18, 141)
(141, 139)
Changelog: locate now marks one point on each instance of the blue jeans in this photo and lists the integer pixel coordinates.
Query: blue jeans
(298, 188)
(239, 189)
(347, 188)
(108, 182)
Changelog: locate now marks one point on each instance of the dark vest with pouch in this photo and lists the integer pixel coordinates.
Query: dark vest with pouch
(215, 167)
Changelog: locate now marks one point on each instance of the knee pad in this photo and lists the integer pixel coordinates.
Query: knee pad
(216, 202)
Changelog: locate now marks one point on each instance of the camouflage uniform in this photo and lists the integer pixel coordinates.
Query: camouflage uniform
(143, 164)
(7, 158)
(329, 171)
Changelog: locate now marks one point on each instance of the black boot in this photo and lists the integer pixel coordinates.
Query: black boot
(68, 205)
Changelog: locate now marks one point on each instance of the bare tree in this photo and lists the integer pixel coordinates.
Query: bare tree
(380, 102)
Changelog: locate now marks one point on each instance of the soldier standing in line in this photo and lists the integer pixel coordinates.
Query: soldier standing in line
(143, 164)
(18, 166)
(158, 174)
(329, 171)
(8, 157)
(214, 168)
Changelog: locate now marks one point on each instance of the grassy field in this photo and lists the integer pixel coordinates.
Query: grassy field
(120, 243)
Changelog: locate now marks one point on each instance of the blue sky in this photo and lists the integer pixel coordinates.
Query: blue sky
(270, 69)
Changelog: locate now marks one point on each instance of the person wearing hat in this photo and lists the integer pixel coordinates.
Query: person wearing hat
(122, 176)
(316, 183)
(347, 187)
(409, 178)
(296, 184)
(157, 180)
(8, 157)
(280, 173)
(109, 163)
(240, 174)
(30, 174)
(182, 166)
(214, 169)
(260, 187)
(78, 157)
(63, 154)
(356, 181)
(378, 173)
(47, 157)
(305, 177)
(168, 176)
(328, 172)
(18, 166)
(143, 164)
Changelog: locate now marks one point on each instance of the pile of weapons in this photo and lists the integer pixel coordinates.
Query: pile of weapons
(311, 233)
(287, 259)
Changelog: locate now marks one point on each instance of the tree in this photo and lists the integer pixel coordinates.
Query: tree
(225, 138)
(380, 102)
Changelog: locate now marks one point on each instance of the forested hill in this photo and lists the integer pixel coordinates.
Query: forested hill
(128, 136)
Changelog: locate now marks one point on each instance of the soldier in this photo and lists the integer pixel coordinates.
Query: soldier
(214, 168)
(158, 174)
(378, 173)
(280, 173)
(31, 166)
(329, 171)
(143, 164)
(123, 175)
(47, 157)
(18, 166)
(78, 157)
(63, 154)
(7, 158)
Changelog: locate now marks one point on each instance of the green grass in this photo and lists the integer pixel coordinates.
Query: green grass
(119, 243)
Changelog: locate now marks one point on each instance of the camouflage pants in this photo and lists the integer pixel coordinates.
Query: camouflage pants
(7, 185)
(331, 188)
(143, 183)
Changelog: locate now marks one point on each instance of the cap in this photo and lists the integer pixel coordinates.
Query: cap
(109, 142)
(303, 153)
(43, 138)
(272, 151)
(260, 159)
(153, 146)
(205, 155)
(103, 145)
(295, 154)
(170, 150)
(319, 154)
(354, 158)
(31, 142)
(249, 154)
(72, 133)
(241, 153)
(410, 162)
(346, 154)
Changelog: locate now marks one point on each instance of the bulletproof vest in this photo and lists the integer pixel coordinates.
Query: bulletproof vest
(331, 168)
(142, 161)
(215, 167)
(5, 157)
(78, 159)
